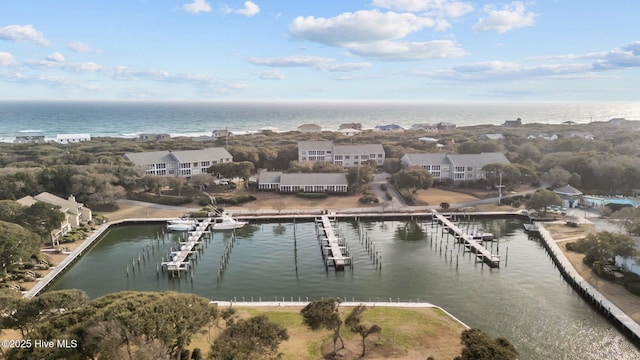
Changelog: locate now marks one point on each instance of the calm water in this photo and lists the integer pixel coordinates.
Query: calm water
(525, 300)
(126, 119)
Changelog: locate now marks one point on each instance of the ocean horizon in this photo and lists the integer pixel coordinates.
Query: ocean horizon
(127, 119)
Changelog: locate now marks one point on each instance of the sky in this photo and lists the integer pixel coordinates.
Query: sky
(265, 50)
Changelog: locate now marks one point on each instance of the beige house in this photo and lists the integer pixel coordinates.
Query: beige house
(458, 167)
(185, 163)
(75, 213)
(310, 128)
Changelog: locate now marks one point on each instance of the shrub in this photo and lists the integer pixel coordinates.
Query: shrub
(383, 187)
(312, 195)
(368, 198)
(160, 199)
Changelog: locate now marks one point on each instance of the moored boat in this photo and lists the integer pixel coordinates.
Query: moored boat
(226, 222)
(181, 224)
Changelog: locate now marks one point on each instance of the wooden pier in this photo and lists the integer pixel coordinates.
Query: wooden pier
(179, 259)
(470, 244)
(332, 247)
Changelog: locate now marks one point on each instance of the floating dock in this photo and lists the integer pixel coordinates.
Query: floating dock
(179, 259)
(472, 245)
(332, 246)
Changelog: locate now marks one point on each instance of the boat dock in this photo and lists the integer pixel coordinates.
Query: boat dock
(331, 243)
(179, 259)
(470, 244)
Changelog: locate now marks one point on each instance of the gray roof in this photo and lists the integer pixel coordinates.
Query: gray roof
(200, 155)
(315, 145)
(151, 157)
(427, 159)
(270, 177)
(314, 179)
(478, 160)
(358, 148)
(183, 156)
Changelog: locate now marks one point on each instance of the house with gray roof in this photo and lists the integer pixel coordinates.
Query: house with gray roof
(342, 155)
(303, 182)
(458, 167)
(185, 163)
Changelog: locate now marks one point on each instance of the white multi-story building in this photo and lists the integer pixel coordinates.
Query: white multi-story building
(341, 155)
(72, 138)
(185, 163)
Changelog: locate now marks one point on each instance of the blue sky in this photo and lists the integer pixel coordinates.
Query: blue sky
(432, 50)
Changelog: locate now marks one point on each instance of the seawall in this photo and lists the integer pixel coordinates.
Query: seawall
(627, 325)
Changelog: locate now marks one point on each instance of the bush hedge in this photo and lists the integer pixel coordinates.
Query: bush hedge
(160, 199)
(312, 195)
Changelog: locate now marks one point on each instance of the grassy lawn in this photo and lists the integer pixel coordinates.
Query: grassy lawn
(406, 334)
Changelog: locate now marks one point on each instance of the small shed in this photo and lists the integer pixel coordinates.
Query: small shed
(569, 195)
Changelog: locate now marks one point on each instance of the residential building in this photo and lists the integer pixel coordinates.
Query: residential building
(310, 128)
(356, 126)
(30, 139)
(390, 128)
(543, 136)
(156, 137)
(185, 163)
(342, 155)
(358, 154)
(75, 212)
(303, 182)
(221, 133)
(581, 135)
(349, 132)
(512, 123)
(458, 167)
(446, 126)
(424, 127)
(72, 138)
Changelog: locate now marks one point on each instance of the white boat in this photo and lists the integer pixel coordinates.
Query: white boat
(226, 222)
(181, 224)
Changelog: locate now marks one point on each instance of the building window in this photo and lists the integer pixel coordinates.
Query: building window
(338, 157)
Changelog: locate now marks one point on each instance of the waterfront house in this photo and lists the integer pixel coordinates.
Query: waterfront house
(390, 128)
(156, 137)
(75, 213)
(458, 167)
(71, 138)
(349, 132)
(356, 126)
(30, 139)
(310, 128)
(443, 126)
(303, 182)
(185, 163)
(221, 133)
(341, 155)
(424, 127)
(512, 123)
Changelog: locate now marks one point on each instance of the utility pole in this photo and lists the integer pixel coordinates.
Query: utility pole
(500, 190)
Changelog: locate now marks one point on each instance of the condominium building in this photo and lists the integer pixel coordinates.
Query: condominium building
(341, 155)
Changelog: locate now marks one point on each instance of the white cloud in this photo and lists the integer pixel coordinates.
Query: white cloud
(197, 6)
(84, 67)
(79, 47)
(511, 16)
(316, 62)
(7, 59)
(56, 57)
(358, 27)
(23, 33)
(250, 9)
(271, 75)
(291, 61)
(408, 51)
(443, 8)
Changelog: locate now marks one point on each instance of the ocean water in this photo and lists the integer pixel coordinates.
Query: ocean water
(127, 119)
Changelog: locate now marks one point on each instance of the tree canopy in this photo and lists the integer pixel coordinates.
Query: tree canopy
(414, 177)
(256, 338)
(477, 345)
(541, 199)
